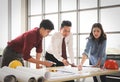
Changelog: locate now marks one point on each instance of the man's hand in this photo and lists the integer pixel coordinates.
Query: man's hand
(65, 62)
(48, 63)
(38, 66)
(73, 65)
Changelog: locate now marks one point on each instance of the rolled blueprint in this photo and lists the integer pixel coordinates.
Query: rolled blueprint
(5, 77)
(40, 72)
(21, 76)
(10, 78)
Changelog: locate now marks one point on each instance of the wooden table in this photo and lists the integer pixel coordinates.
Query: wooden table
(24, 74)
(70, 73)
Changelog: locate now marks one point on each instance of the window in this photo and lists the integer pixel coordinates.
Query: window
(34, 7)
(34, 22)
(51, 6)
(113, 43)
(74, 45)
(89, 12)
(84, 4)
(83, 40)
(87, 19)
(47, 41)
(68, 5)
(110, 2)
(110, 19)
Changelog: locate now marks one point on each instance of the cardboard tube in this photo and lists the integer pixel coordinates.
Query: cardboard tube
(5, 77)
(20, 75)
(40, 72)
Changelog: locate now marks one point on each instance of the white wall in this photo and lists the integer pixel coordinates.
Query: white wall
(3, 23)
(12, 20)
(16, 18)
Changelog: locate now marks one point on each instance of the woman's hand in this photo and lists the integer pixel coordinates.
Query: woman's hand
(97, 65)
(80, 67)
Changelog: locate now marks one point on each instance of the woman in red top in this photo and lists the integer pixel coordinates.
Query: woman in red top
(20, 47)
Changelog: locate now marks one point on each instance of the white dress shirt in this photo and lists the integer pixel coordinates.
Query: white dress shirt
(55, 46)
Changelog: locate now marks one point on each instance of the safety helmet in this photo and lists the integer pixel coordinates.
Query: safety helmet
(15, 63)
(111, 64)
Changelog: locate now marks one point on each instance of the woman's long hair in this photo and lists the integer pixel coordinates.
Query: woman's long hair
(102, 36)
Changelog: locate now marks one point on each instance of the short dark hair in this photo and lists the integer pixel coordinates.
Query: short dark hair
(66, 23)
(46, 24)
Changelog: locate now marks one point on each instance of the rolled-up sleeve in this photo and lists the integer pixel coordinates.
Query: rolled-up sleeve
(87, 48)
(39, 47)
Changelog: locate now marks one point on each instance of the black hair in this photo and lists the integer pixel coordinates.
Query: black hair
(102, 36)
(46, 24)
(66, 23)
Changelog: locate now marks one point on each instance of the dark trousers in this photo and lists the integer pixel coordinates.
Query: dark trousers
(9, 55)
(50, 57)
(102, 77)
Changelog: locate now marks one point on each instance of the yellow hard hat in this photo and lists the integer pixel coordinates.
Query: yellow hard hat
(15, 63)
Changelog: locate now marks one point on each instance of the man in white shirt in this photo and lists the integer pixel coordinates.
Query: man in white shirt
(55, 52)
